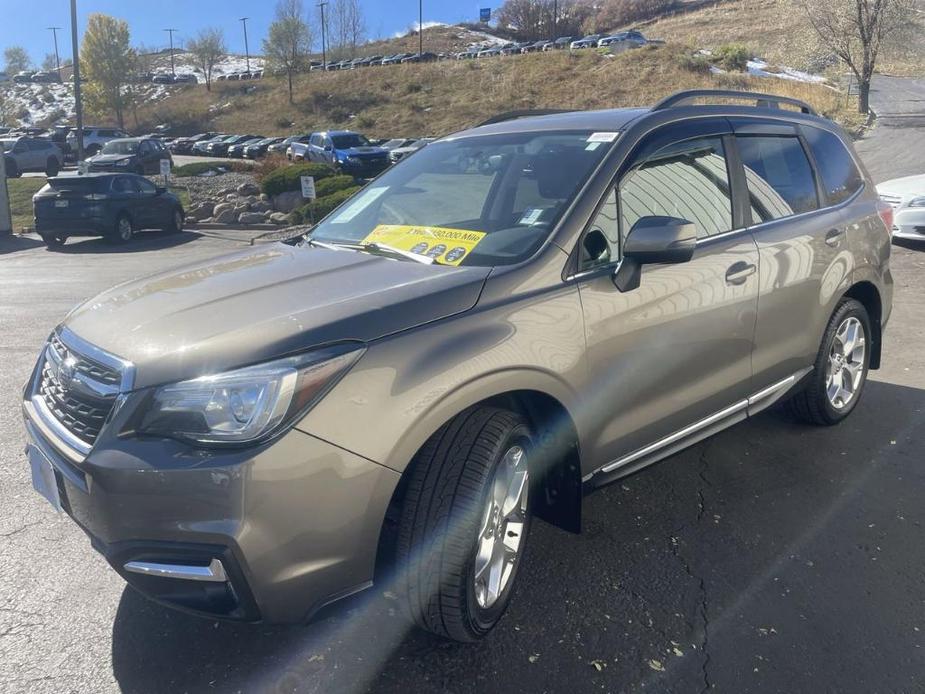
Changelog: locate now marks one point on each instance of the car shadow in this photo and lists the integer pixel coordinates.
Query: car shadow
(603, 610)
(142, 241)
(10, 243)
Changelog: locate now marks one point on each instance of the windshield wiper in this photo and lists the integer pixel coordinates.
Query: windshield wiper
(376, 247)
(330, 246)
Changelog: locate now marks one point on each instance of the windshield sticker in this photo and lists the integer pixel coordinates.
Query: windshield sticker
(602, 137)
(531, 216)
(592, 146)
(363, 200)
(447, 246)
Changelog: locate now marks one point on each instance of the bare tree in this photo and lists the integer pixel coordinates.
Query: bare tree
(289, 40)
(347, 27)
(16, 59)
(207, 48)
(854, 31)
(536, 19)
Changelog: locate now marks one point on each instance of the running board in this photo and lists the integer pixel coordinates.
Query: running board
(698, 431)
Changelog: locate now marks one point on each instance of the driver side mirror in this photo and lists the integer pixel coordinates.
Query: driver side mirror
(160, 190)
(654, 240)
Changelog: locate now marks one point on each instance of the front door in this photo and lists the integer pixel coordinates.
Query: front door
(676, 351)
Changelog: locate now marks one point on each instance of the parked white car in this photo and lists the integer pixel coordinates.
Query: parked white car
(907, 197)
(589, 41)
(94, 139)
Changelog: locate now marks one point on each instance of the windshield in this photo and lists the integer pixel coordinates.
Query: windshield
(7, 144)
(120, 147)
(484, 200)
(348, 141)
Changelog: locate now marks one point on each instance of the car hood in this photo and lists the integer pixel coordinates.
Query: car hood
(907, 186)
(264, 302)
(354, 151)
(109, 158)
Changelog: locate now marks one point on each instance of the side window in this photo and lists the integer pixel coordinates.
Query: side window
(840, 176)
(315, 141)
(779, 176)
(121, 184)
(144, 148)
(145, 186)
(688, 180)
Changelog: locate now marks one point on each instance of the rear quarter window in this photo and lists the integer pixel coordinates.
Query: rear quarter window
(840, 175)
(779, 177)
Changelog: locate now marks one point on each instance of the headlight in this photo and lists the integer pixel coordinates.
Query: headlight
(245, 405)
(917, 202)
(123, 162)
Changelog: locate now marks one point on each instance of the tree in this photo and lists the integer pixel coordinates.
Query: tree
(854, 30)
(108, 62)
(347, 27)
(207, 49)
(49, 62)
(289, 40)
(537, 19)
(16, 59)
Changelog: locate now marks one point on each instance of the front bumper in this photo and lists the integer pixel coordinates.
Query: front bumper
(909, 223)
(365, 168)
(294, 524)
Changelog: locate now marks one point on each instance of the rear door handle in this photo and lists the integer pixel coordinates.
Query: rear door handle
(739, 272)
(833, 236)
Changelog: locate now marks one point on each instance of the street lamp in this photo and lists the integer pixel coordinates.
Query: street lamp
(54, 31)
(247, 53)
(78, 108)
(173, 70)
(324, 59)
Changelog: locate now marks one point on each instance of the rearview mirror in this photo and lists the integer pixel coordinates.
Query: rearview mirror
(654, 240)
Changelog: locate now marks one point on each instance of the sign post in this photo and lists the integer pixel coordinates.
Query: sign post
(308, 193)
(165, 171)
(6, 218)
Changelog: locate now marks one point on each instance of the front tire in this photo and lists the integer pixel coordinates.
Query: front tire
(176, 222)
(840, 370)
(465, 521)
(123, 231)
(54, 240)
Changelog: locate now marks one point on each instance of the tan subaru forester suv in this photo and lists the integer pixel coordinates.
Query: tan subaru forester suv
(512, 317)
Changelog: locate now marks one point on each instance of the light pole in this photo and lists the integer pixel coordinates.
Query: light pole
(173, 70)
(247, 53)
(78, 107)
(421, 29)
(54, 31)
(324, 58)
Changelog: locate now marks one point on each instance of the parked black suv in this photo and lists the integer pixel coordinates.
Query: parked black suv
(140, 155)
(113, 206)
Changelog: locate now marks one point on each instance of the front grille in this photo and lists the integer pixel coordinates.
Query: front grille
(890, 199)
(78, 391)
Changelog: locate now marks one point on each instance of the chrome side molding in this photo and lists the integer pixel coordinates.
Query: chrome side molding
(214, 572)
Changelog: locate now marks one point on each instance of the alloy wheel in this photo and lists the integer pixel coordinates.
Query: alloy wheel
(845, 371)
(125, 229)
(500, 537)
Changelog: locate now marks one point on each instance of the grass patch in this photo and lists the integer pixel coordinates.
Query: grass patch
(21, 192)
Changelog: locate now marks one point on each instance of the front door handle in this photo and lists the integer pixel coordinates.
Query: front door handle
(833, 236)
(739, 272)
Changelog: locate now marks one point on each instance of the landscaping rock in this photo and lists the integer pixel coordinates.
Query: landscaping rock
(226, 216)
(280, 218)
(261, 206)
(221, 207)
(288, 201)
(265, 197)
(231, 197)
(252, 218)
(201, 210)
(246, 189)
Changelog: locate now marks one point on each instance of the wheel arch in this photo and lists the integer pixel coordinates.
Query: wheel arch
(556, 490)
(869, 296)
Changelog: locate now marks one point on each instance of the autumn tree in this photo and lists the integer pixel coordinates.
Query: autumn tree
(16, 59)
(854, 30)
(289, 40)
(208, 48)
(108, 61)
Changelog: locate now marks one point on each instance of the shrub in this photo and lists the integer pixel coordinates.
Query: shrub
(697, 62)
(268, 165)
(287, 178)
(200, 167)
(333, 184)
(733, 56)
(321, 206)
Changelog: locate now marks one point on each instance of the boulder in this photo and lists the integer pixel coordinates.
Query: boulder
(231, 197)
(226, 216)
(201, 210)
(279, 218)
(261, 206)
(246, 189)
(252, 218)
(288, 201)
(225, 192)
(221, 207)
(265, 197)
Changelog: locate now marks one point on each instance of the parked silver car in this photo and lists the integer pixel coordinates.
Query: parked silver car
(514, 316)
(26, 154)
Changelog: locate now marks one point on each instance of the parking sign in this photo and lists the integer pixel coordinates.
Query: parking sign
(485, 14)
(308, 187)
(165, 167)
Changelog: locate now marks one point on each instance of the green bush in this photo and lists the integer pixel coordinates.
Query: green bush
(733, 56)
(333, 184)
(697, 62)
(287, 178)
(201, 167)
(321, 206)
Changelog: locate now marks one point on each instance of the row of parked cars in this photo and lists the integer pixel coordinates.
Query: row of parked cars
(623, 39)
(29, 77)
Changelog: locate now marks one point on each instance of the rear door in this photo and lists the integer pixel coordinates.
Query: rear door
(125, 196)
(675, 353)
(805, 264)
(155, 209)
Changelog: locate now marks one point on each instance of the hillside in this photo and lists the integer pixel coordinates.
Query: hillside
(437, 98)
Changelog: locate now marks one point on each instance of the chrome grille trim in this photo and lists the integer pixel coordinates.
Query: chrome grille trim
(891, 199)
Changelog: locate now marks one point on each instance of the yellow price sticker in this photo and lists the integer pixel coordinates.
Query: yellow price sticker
(445, 245)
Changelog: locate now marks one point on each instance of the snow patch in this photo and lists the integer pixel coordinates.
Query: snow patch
(758, 68)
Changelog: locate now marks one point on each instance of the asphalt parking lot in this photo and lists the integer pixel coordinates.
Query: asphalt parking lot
(772, 557)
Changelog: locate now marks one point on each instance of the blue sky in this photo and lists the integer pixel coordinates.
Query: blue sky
(24, 22)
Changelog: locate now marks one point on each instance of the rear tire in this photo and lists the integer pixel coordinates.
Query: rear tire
(122, 231)
(840, 371)
(52, 167)
(54, 240)
(465, 521)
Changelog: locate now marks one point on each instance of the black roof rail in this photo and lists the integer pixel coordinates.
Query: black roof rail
(526, 113)
(761, 100)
